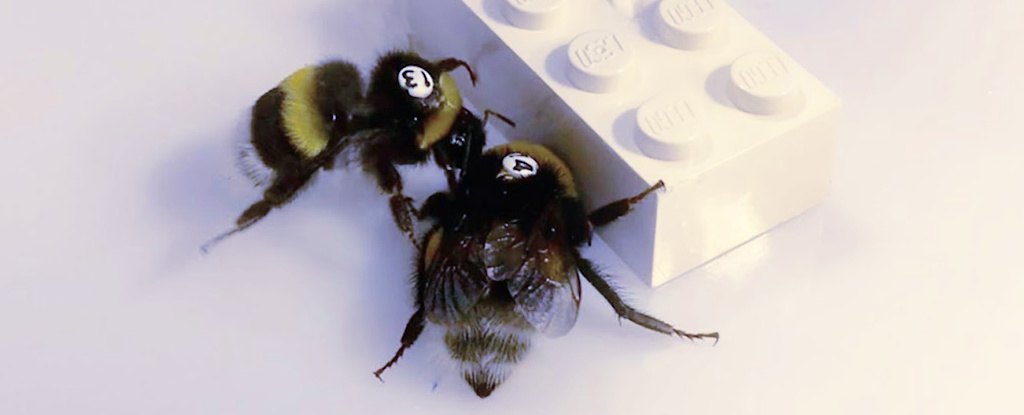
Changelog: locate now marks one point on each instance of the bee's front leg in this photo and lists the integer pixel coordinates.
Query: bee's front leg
(403, 210)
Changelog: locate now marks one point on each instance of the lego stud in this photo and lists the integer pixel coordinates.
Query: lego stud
(690, 24)
(669, 128)
(600, 61)
(534, 14)
(764, 83)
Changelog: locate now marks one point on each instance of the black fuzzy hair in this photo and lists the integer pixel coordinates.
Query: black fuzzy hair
(386, 95)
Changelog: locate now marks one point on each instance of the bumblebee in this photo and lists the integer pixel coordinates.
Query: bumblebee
(293, 125)
(417, 112)
(411, 108)
(502, 261)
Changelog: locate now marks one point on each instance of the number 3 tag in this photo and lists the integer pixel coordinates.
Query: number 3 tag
(416, 81)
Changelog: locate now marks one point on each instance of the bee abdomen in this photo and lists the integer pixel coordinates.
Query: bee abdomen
(268, 149)
(486, 355)
(294, 122)
(304, 124)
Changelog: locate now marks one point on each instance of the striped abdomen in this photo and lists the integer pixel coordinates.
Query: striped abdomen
(486, 352)
(298, 119)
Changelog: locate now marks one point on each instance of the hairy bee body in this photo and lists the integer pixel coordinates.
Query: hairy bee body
(295, 127)
(416, 112)
(486, 351)
(503, 262)
(410, 110)
(308, 112)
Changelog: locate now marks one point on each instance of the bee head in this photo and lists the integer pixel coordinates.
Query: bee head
(522, 162)
(406, 86)
(517, 166)
(517, 178)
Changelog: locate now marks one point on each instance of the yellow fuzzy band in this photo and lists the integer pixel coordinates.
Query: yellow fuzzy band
(433, 244)
(303, 122)
(440, 123)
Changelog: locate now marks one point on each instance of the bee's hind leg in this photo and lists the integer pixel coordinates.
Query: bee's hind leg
(413, 329)
(282, 191)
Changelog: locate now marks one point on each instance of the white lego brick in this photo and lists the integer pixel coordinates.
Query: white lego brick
(684, 91)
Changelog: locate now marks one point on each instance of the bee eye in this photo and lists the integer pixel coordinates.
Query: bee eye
(416, 81)
(517, 166)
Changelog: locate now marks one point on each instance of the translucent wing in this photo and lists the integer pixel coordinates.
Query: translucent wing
(348, 151)
(452, 278)
(543, 283)
(504, 251)
(548, 297)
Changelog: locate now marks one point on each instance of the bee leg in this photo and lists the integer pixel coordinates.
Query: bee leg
(280, 192)
(403, 210)
(384, 172)
(442, 161)
(453, 181)
(489, 113)
(391, 183)
(629, 313)
(614, 210)
(435, 206)
(448, 65)
(413, 329)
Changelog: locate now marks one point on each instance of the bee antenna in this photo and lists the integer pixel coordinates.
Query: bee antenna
(447, 65)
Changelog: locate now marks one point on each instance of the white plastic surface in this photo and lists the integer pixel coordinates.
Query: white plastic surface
(691, 24)
(535, 14)
(685, 91)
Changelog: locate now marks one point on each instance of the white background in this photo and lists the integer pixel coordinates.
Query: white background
(899, 294)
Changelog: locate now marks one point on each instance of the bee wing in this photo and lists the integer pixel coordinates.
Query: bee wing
(349, 149)
(504, 252)
(453, 280)
(542, 281)
(547, 294)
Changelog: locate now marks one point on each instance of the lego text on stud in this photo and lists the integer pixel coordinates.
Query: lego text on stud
(599, 61)
(762, 83)
(690, 24)
(669, 128)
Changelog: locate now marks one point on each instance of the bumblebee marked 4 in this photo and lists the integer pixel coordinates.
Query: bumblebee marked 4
(517, 166)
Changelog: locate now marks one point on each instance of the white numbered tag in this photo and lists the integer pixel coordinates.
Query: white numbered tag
(416, 81)
(517, 166)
